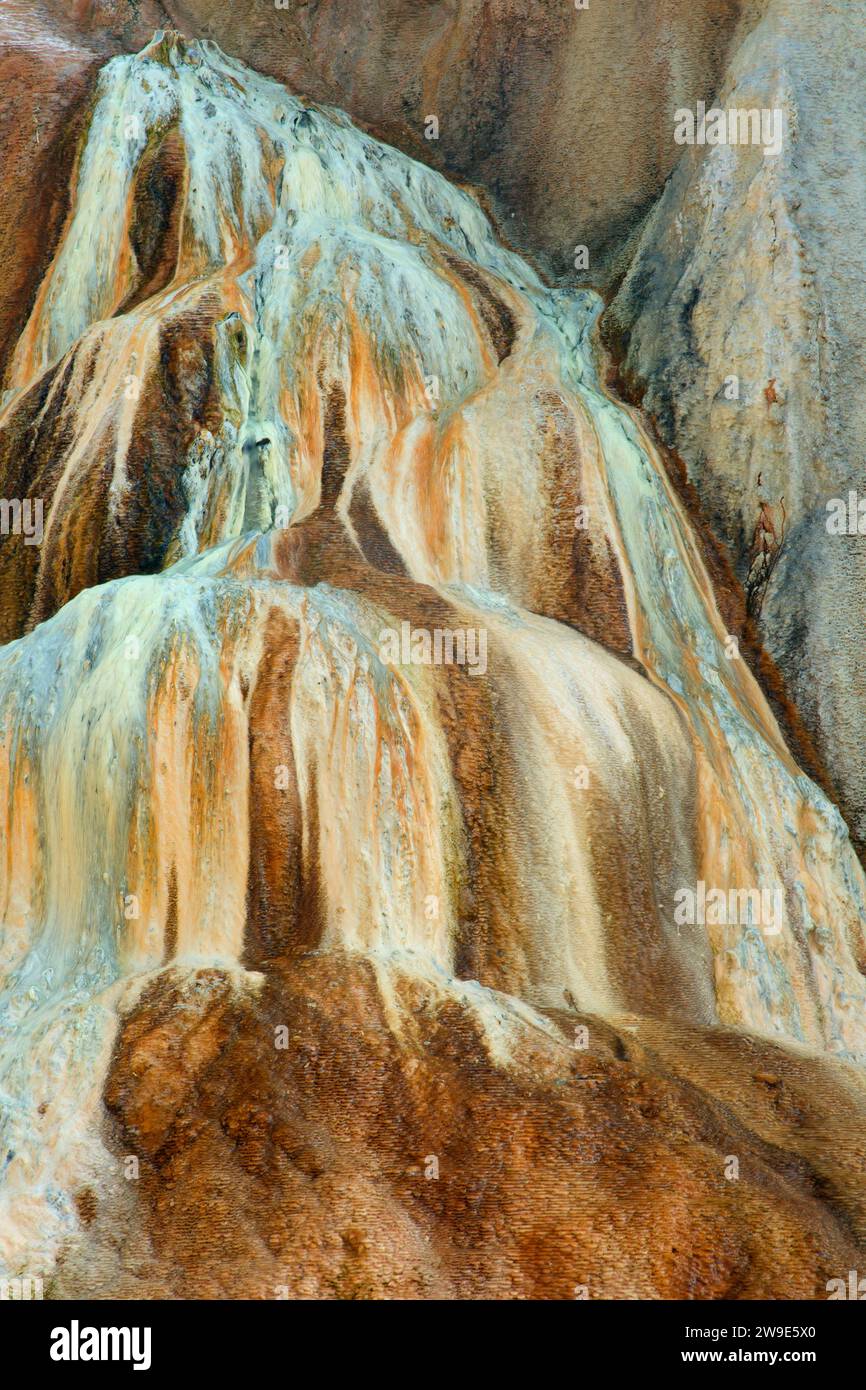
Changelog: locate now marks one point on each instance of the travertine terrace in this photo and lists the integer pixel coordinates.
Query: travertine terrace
(281, 918)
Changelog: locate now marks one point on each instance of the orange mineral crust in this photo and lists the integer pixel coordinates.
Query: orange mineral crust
(360, 1162)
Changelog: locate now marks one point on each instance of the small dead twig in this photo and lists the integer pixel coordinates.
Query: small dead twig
(768, 542)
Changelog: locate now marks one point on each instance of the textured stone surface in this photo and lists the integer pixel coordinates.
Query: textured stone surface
(563, 116)
(309, 1173)
(752, 265)
(285, 919)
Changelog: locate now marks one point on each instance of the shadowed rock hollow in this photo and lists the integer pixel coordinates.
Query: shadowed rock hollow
(373, 964)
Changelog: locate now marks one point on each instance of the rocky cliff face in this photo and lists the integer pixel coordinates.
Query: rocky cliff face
(406, 884)
(563, 115)
(747, 269)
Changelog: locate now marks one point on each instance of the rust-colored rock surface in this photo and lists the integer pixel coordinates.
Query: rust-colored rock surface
(360, 1163)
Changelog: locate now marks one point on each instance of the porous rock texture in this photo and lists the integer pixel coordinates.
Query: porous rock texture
(751, 266)
(326, 973)
(562, 115)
